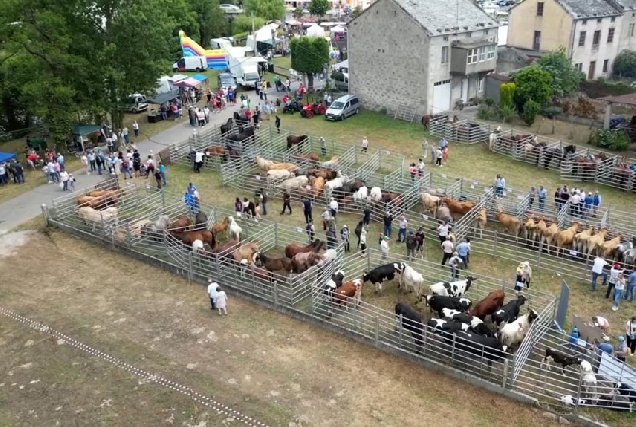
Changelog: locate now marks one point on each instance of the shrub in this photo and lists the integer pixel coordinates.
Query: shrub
(490, 102)
(615, 140)
(530, 111)
(506, 113)
(506, 94)
(625, 64)
(337, 75)
(552, 111)
(484, 113)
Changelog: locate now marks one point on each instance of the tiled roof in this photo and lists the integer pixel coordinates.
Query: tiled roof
(447, 16)
(582, 9)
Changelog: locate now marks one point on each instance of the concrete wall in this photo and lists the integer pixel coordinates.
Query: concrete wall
(625, 41)
(491, 89)
(588, 53)
(555, 26)
(388, 59)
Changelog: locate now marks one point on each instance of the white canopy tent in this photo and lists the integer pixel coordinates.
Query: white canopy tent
(315, 31)
(338, 29)
(265, 33)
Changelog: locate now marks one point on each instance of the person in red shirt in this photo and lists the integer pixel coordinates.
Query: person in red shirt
(33, 159)
(248, 115)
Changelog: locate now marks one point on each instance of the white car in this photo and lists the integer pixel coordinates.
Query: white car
(230, 8)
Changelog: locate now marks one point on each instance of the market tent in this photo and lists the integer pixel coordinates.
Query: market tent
(5, 157)
(189, 82)
(85, 130)
(337, 29)
(164, 97)
(316, 31)
(200, 77)
(264, 35)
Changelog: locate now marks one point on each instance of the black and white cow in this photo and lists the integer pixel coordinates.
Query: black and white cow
(509, 312)
(559, 358)
(411, 321)
(455, 289)
(447, 326)
(476, 324)
(481, 346)
(334, 283)
(437, 303)
(384, 273)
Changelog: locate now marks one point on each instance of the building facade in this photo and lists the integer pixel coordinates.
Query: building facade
(420, 54)
(592, 32)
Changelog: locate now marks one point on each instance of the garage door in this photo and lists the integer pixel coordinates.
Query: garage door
(441, 96)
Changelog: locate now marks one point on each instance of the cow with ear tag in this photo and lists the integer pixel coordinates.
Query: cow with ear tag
(384, 273)
(455, 289)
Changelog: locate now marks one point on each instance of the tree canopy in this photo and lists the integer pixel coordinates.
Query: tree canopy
(625, 64)
(565, 77)
(318, 7)
(309, 55)
(268, 9)
(532, 83)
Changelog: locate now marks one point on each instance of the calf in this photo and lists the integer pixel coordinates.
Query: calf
(493, 301)
(413, 280)
(481, 346)
(334, 283)
(508, 312)
(384, 273)
(560, 359)
(452, 289)
(437, 303)
(411, 321)
(350, 289)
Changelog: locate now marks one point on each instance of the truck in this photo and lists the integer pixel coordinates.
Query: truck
(135, 103)
(248, 72)
(234, 56)
(191, 63)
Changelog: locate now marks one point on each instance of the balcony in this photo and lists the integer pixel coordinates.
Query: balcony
(473, 57)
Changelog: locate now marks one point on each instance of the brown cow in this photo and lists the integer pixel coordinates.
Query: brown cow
(182, 223)
(293, 249)
(510, 223)
(566, 237)
(350, 289)
(188, 237)
(458, 208)
(489, 305)
(310, 156)
(303, 261)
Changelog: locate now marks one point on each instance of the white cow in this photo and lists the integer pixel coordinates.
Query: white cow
(197, 246)
(455, 289)
(376, 194)
(413, 280)
(513, 333)
(235, 229)
(335, 183)
(361, 194)
(448, 313)
(293, 183)
(279, 174)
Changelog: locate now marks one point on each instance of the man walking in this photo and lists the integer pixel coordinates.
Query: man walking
(447, 248)
(543, 194)
(597, 270)
(307, 208)
(286, 204)
(277, 123)
(411, 244)
(462, 252)
(212, 289)
(388, 222)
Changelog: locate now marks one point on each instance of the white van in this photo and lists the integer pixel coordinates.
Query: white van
(191, 63)
(342, 108)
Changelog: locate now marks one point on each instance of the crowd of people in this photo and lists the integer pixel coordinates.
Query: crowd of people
(11, 171)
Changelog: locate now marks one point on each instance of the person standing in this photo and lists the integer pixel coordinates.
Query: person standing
(455, 264)
(263, 197)
(499, 185)
(366, 219)
(326, 216)
(531, 196)
(597, 270)
(135, 127)
(463, 249)
(212, 291)
(365, 144)
(286, 202)
(424, 148)
(384, 247)
(221, 301)
(277, 123)
(363, 244)
(596, 203)
(307, 210)
(630, 333)
(411, 245)
(162, 171)
(619, 287)
(388, 222)
(613, 278)
(125, 136)
(323, 146)
(158, 178)
(438, 157)
(419, 237)
(311, 231)
(621, 349)
(333, 207)
(442, 232)
(64, 179)
(198, 161)
(543, 194)
(401, 237)
(85, 163)
(447, 249)
(420, 168)
(344, 235)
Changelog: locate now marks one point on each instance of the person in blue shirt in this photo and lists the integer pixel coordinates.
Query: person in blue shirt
(543, 193)
(631, 286)
(191, 189)
(587, 204)
(463, 249)
(443, 144)
(596, 203)
(190, 202)
(162, 171)
(605, 346)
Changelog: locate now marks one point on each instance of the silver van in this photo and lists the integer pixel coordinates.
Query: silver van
(343, 107)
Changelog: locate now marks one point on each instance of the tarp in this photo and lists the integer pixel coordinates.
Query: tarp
(5, 157)
(200, 77)
(164, 97)
(84, 130)
(189, 82)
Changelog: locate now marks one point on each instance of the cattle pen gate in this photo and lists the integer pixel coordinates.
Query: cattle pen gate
(302, 296)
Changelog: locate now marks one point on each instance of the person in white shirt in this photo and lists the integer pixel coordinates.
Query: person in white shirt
(619, 288)
(198, 161)
(206, 112)
(438, 157)
(212, 289)
(363, 240)
(326, 216)
(201, 117)
(221, 301)
(85, 163)
(630, 334)
(613, 278)
(135, 127)
(365, 144)
(64, 178)
(442, 232)
(597, 270)
(600, 322)
(384, 247)
(455, 264)
(447, 248)
(575, 201)
(333, 207)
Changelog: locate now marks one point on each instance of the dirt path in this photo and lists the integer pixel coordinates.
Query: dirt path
(266, 365)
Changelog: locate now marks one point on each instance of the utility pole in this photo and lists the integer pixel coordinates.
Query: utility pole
(252, 15)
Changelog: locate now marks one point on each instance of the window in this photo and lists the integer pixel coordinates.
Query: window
(472, 56)
(613, 19)
(610, 35)
(579, 67)
(597, 38)
(537, 41)
(482, 54)
(630, 31)
(469, 34)
(486, 32)
(584, 22)
(599, 20)
(582, 38)
(444, 54)
(605, 64)
(540, 8)
(445, 38)
(480, 84)
(490, 50)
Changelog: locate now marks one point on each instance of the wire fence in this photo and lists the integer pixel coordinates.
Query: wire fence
(304, 295)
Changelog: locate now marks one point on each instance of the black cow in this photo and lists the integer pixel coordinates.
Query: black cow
(509, 312)
(411, 321)
(488, 347)
(476, 324)
(335, 282)
(382, 274)
(625, 390)
(560, 359)
(437, 303)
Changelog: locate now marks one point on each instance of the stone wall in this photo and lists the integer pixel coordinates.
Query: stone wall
(388, 59)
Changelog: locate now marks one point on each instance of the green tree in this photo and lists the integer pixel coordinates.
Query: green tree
(507, 94)
(318, 7)
(309, 55)
(267, 9)
(565, 77)
(530, 111)
(298, 13)
(532, 83)
(625, 64)
(243, 24)
(210, 19)
(356, 12)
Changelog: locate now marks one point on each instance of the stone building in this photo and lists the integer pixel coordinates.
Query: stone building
(423, 55)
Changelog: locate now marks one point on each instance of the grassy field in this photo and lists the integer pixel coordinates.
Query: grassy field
(279, 371)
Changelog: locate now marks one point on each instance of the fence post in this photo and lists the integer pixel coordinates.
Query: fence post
(368, 259)
(377, 330)
(189, 268)
(400, 331)
(504, 377)
(276, 293)
(539, 254)
(495, 244)
(453, 350)
(578, 392)
(275, 234)
(45, 214)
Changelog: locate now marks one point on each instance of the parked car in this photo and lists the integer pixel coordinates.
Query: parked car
(343, 107)
(230, 8)
(225, 80)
